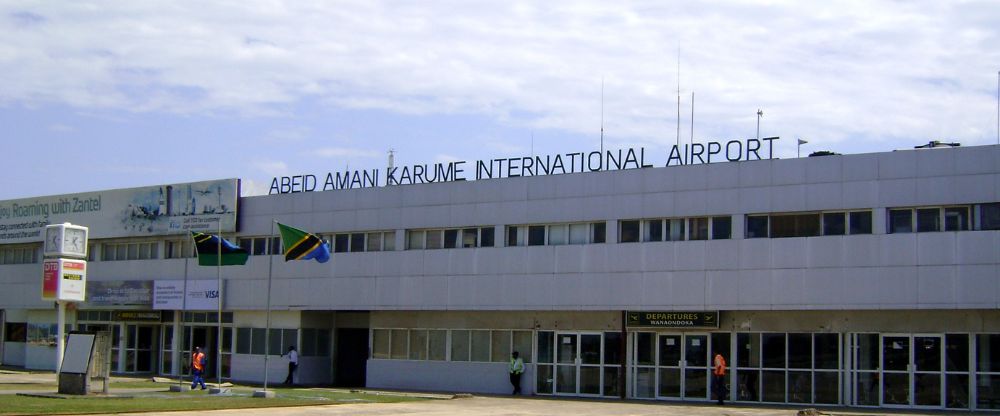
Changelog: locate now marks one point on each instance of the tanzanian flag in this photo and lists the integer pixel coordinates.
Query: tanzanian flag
(208, 249)
(300, 245)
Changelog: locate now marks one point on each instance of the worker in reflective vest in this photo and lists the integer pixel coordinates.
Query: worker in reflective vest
(516, 368)
(198, 362)
(719, 377)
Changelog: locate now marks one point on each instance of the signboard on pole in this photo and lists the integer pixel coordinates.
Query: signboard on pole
(64, 279)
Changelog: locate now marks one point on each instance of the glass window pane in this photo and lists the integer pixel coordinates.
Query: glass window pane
(558, 234)
(389, 238)
(512, 237)
(827, 389)
(308, 347)
(257, 341)
(834, 223)
(756, 226)
(536, 235)
(274, 342)
(374, 242)
(928, 220)
(450, 238)
(748, 350)
(400, 340)
(415, 240)
(435, 239)
(652, 230)
(798, 225)
(357, 242)
(460, 345)
(437, 344)
(774, 386)
(597, 234)
(418, 344)
(500, 351)
(989, 216)
(956, 354)
(773, 348)
(799, 350)
(380, 344)
(799, 387)
(645, 348)
(486, 235)
(629, 232)
(276, 245)
(470, 237)
(722, 228)
(522, 344)
(698, 229)
(826, 348)
(988, 353)
(957, 391)
(867, 351)
(545, 347)
(956, 219)
(900, 221)
(612, 348)
(861, 222)
(578, 234)
(341, 243)
(243, 340)
(675, 229)
(480, 344)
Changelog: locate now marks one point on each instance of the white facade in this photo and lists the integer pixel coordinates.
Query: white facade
(929, 287)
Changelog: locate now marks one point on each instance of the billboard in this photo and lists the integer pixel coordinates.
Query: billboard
(201, 295)
(133, 212)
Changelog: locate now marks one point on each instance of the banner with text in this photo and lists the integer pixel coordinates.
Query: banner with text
(134, 212)
(202, 295)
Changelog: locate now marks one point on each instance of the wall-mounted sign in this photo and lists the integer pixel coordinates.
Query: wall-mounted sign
(510, 167)
(135, 212)
(672, 319)
(202, 295)
(136, 316)
(120, 293)
(64, 279)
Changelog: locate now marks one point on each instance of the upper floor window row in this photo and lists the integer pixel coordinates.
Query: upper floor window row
(450, 238)
(810, 224)
(130, 251)
(261, 246)
(365, 241)
(556, 234)
(19, 255)
(675, 229)
(944, 218)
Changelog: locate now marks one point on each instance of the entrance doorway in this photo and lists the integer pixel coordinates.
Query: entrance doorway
(912, 370)
(351, 357)
(140, 354)
(578, 364)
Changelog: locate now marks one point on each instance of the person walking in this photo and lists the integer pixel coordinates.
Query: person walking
(719, 377)
(516, 368)
(293, 364)
(198, 361)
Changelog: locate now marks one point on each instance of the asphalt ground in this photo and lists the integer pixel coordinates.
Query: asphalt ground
(493, 405)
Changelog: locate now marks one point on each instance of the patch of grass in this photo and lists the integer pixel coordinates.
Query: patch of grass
(187, 401)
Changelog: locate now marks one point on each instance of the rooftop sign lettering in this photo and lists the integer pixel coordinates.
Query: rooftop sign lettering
(512, 167)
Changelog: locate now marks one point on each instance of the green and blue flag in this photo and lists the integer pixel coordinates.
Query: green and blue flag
(300, 245)
(211, 253)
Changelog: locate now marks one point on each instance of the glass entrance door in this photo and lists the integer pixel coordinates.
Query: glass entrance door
(578, 364)
(912, 370)
(139, 352)
(680, 363)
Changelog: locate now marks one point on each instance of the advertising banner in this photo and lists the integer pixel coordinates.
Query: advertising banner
(202, 295)
(64, 279)
(120, 293)
(134, 212)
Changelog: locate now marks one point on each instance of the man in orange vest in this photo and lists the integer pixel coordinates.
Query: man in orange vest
(198, 362)
(719, 377)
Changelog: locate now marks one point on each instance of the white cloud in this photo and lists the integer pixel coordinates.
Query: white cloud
(831, 71)
(336, 152)
(272, 168)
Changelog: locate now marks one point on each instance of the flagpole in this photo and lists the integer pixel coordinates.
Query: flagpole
(218, 341)
(267, 332)
(184, 299)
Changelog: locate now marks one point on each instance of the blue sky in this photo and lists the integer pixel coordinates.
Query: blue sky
(145, 93)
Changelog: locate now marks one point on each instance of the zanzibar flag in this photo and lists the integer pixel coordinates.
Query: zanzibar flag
(209, 252)
(300, 245)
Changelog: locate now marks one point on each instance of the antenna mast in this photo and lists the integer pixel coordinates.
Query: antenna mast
(692, 117)
(602, 116)
(678, 93)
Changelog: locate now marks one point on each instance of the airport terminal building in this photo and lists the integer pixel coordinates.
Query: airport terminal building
(859, 280)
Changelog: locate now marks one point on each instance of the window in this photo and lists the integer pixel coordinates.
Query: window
(653, 230)
(928, 219)
(722, 228)
(446, 238)
(598, 230)
(629, 232)
(578, 233)
(15, 332)
(699, 228)
(834, 223)
(900, 221)
(794, 225)
(315, 342)
(182, 249)
(675, 229)
(374, 242)
(757, 226)
(357, 242)
(536, 235)
(860, 222)
(19, 255)
(989, 216)
(130, 251)
(558, 234)
(380, 344)
(956, 218)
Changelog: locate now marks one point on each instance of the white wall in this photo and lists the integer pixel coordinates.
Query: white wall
(472, 377)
